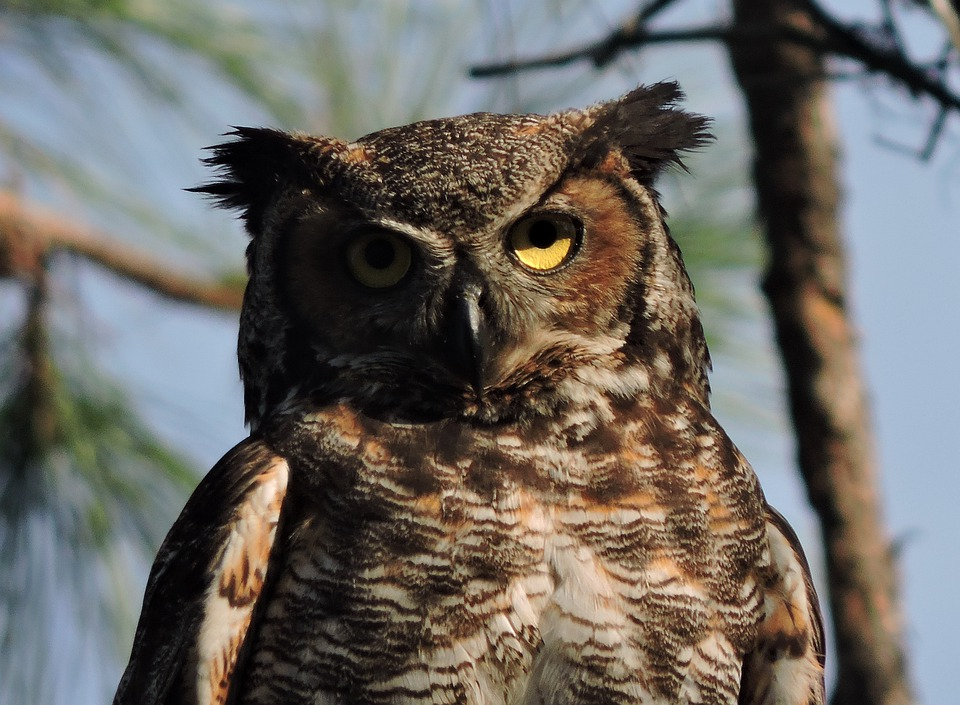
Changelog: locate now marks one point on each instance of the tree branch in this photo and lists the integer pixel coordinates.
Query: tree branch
(600, 53)
(889, 61)
(29, 234)
(827, 36)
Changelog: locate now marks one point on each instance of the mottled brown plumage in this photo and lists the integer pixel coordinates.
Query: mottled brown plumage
(483, 468)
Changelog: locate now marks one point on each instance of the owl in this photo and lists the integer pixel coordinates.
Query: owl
(482, 467)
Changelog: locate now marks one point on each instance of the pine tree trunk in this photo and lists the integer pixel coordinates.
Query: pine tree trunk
(795, 175)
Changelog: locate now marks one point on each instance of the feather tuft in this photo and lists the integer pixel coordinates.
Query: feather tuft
(648, 128)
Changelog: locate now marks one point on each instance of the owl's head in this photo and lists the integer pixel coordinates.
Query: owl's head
(491, 267)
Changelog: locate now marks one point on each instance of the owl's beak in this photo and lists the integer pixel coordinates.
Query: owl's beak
(465, 336)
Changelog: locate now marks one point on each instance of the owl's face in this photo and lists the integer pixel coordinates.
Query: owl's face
(492, 267)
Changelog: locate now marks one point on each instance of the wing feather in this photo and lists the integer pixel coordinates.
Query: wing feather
(205, 583)
(786, 666)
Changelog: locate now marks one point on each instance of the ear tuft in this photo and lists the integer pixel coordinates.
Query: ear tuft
(253, 166)
(648, 128)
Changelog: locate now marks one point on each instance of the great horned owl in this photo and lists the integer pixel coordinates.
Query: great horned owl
(482, 467)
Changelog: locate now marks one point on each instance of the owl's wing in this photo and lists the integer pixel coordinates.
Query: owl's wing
(786, 665)
(205, 583)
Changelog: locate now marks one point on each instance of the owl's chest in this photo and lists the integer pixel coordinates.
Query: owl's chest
(503, 576)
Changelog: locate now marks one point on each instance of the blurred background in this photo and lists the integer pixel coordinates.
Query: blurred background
(119, 290)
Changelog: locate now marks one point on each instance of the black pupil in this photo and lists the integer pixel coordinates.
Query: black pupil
(543, 234)
(379, 253)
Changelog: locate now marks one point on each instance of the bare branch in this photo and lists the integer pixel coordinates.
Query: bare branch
(828, 36)
(891, 62)
(602, 52)
(29, 234)
(631, 36)
(936, 130)
(648, 12)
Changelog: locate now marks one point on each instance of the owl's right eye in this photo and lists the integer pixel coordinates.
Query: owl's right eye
(379, 259)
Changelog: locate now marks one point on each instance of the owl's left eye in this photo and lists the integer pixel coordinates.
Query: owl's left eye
(379, 259)
(543, 242)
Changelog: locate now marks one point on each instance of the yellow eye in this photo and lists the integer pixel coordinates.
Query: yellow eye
(378, 259)
(545, 241)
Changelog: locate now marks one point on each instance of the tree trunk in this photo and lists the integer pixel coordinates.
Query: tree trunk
(795, 175)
